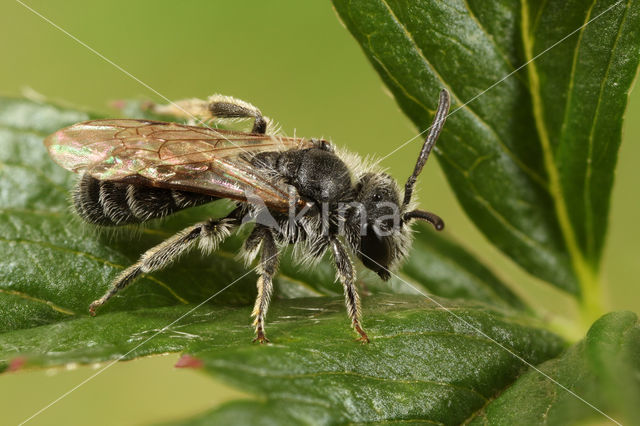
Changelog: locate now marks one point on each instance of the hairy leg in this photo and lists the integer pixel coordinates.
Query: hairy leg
(208, 234)
(347, 276)
(217, 106)
(268, 265)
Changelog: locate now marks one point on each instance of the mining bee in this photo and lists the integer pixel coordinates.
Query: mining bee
(297, 191)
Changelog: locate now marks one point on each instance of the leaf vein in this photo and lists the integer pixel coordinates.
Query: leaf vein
(567, 108)
(489, 36)
(581, 269)
(95, 259)
(531, 173)
(49, 303)
(539, 15)
(482, 200)
(587, 178)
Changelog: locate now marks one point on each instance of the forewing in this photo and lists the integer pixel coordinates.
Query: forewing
(172, 155)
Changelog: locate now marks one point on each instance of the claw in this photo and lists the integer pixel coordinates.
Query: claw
(262, 339)
(363, 336)
(93, 306)
(363, 339)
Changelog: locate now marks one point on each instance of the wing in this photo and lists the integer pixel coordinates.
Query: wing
(174, 156)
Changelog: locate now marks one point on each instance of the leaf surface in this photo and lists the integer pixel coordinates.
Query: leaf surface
(425, 362)
(530, 154)
(603, 370)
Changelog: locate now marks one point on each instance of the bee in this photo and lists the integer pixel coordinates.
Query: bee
(296, 191)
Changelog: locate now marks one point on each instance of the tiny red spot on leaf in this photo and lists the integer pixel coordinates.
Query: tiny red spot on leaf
(16, 363)
(188, 361)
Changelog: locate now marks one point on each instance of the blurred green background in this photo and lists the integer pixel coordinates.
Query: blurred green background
(296, 62)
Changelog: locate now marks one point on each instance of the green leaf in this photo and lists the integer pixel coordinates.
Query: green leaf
(453, 272)
(56, 266)
(424, 362)
(603, 369)
(532, 159)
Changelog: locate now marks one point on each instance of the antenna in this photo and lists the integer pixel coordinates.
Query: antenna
(430, 141)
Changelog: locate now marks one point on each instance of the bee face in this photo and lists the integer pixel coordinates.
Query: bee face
(381, 233)
(378, 195)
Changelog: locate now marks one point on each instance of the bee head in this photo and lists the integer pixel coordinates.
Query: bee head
(379, 244)
(384, 231)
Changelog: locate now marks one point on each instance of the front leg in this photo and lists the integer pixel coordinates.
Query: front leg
(267, 269)
(347, 276)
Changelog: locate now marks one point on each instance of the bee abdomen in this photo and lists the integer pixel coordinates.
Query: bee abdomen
(109, 203)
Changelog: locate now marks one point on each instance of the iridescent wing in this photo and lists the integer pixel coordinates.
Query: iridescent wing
(174, 156)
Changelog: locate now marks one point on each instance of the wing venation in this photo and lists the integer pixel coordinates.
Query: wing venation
(173, 155)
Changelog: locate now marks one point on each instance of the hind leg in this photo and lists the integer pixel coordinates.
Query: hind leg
(216, 107)
(208, 234)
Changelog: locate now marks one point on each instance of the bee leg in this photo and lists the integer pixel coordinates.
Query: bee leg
(227, 107)
(193, 110)
(217, 106)
(346, 274)
(209, 234)
(267, 269)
